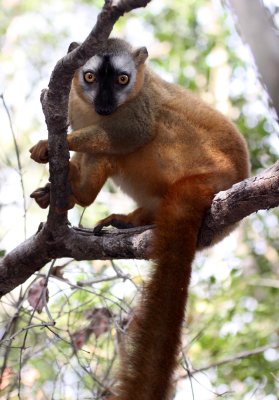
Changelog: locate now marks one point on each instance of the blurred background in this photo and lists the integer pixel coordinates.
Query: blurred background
(231, 346)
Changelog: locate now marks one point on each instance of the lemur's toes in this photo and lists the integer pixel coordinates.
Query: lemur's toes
(115, 220)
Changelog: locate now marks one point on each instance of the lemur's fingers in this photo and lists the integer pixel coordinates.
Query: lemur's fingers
(42, 196)
(39, 152)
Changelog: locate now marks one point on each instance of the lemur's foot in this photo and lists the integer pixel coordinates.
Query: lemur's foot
(118, 221)
(39, 152)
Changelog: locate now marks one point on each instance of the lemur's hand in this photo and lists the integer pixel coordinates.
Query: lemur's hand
(42, 196)
(39, 152)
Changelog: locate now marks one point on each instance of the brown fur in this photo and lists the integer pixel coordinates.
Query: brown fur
(171, 152)
(153, 342)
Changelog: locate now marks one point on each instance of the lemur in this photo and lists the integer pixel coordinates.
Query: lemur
(170, 152)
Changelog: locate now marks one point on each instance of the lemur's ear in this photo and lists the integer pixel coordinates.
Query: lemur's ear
(140, 55)
(73, 46)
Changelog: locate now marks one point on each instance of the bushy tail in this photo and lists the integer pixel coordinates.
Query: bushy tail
(152, 345)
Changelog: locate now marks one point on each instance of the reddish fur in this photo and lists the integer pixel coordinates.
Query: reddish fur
(153, 343)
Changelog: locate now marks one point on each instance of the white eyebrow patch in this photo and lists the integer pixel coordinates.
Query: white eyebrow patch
(93, 63)
(123, 62)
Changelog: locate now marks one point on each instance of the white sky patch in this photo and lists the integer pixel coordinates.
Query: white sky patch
(271, 355)
(271, 3)
(138, 34)
(222, 255)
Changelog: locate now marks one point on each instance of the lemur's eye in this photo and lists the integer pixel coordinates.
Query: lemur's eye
(123, 79)
(89, 77)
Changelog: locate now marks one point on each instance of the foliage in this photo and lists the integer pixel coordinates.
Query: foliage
(233, 306)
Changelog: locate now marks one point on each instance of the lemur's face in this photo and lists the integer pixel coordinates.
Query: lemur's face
(107, 80)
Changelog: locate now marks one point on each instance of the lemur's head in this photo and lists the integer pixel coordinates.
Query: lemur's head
(111, 77)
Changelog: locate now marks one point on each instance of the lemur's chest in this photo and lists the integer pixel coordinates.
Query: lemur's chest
(139, 189)
(146, 175)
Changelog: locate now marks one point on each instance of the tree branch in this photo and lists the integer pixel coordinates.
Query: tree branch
(260, 192)
(231, 359)
(228, 207)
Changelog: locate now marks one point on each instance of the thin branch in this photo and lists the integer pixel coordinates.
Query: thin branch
(118, 275)
(19, 165)
(12, 327)
(271, 283)
(26, 328)
(235, 357)
(51, 322)
(100, 280)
